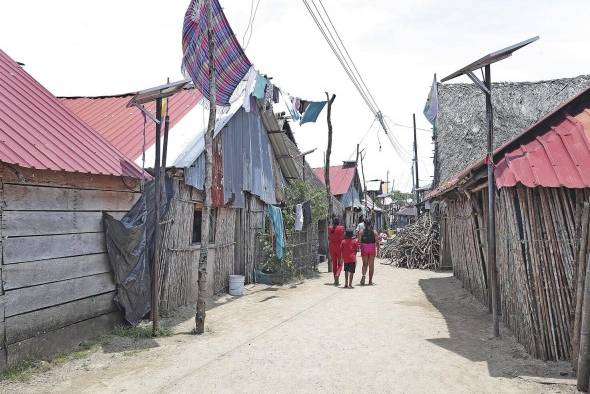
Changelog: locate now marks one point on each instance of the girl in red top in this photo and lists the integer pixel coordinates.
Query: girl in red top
(335, 237)
(348, 249)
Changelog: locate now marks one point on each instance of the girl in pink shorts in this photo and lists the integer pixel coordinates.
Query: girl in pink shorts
(369, 241)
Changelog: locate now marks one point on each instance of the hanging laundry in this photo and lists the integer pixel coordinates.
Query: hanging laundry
(306, 206)
(253, 104)
(259, 87)
(295, 116)
(231, 63)
(298, 217)
(268, 93)
(275, 94)
(276, 218)
(431, 106)
(303, 105)
(313, 111)
(249, 88)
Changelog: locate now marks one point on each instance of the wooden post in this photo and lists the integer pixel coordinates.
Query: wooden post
(206, 216)
(492, 270)
(584, 355)
(327, 172)
(581, 260)
(417, 183)
(364, 183)
(155, 287)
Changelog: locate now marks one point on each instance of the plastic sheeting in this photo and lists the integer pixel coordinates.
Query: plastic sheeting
(130, 246)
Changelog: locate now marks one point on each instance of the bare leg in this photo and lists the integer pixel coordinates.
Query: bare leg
(365, 266)
(346, 273)
(350, 280)
(371, 268)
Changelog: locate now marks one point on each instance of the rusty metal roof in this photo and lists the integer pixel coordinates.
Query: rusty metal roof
(122, 126)
(554, 152)
(340, 178)
(37, 131)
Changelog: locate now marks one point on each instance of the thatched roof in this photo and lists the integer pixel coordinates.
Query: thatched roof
(461, 122)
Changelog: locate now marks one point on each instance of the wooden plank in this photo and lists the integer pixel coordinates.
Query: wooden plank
(54, 270)
(22, 249)
(43, 296)
(33, 324)
(61, 340)
(39, 198)
(22, 223)
(31, 176)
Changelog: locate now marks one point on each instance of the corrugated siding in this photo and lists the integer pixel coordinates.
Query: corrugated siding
(37, 131)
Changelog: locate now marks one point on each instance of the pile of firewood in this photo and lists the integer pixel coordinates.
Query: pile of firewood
(414, 246)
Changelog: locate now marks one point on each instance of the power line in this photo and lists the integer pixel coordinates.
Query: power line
(250, 27)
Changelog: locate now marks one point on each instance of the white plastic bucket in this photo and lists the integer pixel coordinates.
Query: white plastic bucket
(236, 285)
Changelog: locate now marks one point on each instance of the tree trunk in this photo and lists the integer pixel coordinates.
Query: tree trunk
(206, 216)
(327, 173)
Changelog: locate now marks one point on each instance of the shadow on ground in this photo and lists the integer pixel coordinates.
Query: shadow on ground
(469, 334)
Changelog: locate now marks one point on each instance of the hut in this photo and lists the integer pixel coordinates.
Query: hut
(251, 170)
(404, 216)
(345, 185)
(57, 177)
(543, 178)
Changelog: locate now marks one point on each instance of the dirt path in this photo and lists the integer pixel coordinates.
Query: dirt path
(415, 331)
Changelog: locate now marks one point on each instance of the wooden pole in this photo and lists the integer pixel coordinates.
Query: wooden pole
(155, 301)
(581, 260)
(417, 183)
(327, 171)
(364, 183)
(584, 355)
(491, 206)
(206, 216)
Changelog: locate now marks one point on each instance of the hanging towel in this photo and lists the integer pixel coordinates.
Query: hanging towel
(313, 111)
(276, 218)
(275, 94)
(298, 217)
(250, 82)
(306, 206)
(259, 87)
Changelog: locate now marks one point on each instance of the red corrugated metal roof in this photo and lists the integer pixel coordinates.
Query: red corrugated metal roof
(37, 131)
(340, 178)
(552, 153)
(558, 157)
(122, 126)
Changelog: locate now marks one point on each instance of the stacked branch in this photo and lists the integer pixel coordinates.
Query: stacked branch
(415, 246)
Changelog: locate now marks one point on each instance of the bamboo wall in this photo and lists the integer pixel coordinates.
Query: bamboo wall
(538, 233)
(56, 289)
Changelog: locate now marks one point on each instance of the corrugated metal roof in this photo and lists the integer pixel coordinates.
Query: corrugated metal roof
(554, 152)
(340, 178)
(558, 157)
(37, 131)
(122, 126)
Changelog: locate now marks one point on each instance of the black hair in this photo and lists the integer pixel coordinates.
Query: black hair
(349, 234)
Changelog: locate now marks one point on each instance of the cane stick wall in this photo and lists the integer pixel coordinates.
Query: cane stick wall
(538, 234)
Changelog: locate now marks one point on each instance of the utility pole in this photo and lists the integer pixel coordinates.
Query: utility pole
(327, 171)
(206, 215)
(364, 183)
(155, 288)
(417, 182)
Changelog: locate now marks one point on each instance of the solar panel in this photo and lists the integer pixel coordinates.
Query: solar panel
(490, 58)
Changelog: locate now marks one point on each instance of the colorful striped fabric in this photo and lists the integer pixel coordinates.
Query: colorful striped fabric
(231, 63)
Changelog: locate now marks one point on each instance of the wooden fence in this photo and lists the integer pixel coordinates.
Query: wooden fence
(538, 236)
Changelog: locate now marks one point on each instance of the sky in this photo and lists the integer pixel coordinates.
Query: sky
(84, 48)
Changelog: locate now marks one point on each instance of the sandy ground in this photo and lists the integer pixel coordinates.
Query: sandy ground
(414, 332)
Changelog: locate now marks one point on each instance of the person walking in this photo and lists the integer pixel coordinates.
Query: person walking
(369, 240)
(349, 247)
(360, 226)
(335, 237)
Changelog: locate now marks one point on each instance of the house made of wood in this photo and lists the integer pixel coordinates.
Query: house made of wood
(57, 177)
